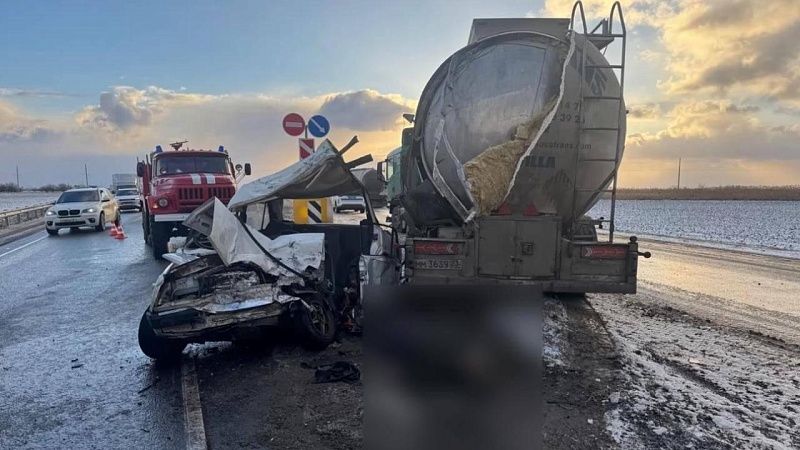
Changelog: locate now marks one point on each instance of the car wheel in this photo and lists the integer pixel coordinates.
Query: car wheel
(101, 222)
(317, 327)
(118, 220)
(157, 347)
(159, 237)
(52, 232)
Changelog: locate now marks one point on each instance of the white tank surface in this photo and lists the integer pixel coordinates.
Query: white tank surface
(527, 120)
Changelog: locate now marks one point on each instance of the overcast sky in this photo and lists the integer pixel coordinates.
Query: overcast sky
(716, 83)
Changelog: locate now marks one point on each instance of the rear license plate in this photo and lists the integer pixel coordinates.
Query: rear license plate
(438, 264)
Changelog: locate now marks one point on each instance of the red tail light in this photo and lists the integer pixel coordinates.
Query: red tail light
(604, 251)
(437, 248)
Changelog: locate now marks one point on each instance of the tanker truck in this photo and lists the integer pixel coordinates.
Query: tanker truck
(515, 137)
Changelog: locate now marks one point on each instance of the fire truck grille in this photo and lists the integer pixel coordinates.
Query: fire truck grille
(222, 193)
(195, 196)
(191, 194)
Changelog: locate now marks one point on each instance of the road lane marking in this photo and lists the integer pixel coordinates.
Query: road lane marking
(22, 246)
(192, 408)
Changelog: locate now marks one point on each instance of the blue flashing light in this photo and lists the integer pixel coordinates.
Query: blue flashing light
(158, 149)
(221, 149)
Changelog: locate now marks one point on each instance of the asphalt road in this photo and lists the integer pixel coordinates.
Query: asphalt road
(71, 373)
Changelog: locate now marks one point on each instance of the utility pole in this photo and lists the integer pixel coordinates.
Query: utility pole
(86, 173)
(18, 186)
(679, 173)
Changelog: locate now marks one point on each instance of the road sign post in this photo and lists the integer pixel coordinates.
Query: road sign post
(309, 210)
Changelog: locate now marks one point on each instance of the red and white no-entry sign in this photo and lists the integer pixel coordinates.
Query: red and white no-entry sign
(294, 124)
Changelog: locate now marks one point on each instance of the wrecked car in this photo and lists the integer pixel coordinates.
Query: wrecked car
(246, 268)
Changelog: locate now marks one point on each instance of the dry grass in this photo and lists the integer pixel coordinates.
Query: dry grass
(713, 193)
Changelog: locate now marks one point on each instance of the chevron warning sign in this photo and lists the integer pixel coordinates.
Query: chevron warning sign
(313, 210)
(306, 147)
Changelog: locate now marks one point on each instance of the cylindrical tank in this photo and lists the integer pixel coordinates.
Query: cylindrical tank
(371, 180)
(506, 122)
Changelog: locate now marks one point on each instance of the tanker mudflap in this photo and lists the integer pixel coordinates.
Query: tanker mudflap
(489, 175)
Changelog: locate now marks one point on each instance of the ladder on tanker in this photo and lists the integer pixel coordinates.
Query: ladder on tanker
(602, 36)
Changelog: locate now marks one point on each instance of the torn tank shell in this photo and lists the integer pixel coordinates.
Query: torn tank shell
(498, 124)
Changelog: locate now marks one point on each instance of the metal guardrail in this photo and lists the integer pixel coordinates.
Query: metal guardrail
(18, 216)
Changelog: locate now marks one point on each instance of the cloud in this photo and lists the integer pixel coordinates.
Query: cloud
(636, 12)
(126, 108)
(14, 92)
(718, 47)
(16, 127)
(644, 111)
(743, 45)
(366, 110)
(716, 130)
(126, 122)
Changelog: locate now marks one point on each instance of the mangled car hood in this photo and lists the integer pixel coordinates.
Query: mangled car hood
(323, 174)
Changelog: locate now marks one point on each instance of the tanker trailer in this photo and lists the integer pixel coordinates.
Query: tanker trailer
(516, 136)
(374, 185)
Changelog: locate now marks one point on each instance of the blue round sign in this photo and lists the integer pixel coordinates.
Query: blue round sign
(318, 126)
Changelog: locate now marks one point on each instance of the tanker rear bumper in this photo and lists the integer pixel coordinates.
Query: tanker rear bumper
(548, 286)
(565, 267)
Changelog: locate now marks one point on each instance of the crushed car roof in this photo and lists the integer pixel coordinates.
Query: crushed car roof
(323, 174)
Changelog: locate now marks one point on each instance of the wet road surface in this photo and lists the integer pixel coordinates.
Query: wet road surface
(71, 373)
(752, 292)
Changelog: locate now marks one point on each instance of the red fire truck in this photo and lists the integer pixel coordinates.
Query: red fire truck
(174, 183)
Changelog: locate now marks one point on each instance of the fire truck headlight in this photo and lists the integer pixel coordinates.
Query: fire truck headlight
(163, 202)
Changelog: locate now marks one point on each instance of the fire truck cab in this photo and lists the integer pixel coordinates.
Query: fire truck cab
(176, 182)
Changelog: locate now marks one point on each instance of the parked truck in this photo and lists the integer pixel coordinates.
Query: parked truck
(176, 182)
(124, 181)
(516, 136)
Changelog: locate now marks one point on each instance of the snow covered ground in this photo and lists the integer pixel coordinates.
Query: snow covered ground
(692, 384)
(709, 358)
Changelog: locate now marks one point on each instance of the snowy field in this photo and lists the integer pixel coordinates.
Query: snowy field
(18, 200)
(762, 226)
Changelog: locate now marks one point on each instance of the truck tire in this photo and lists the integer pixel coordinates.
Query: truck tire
(157, 347)
(318, 327)
(145, 227)
(159, 237)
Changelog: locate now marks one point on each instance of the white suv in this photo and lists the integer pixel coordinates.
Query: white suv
(85, 207)
(128, 198)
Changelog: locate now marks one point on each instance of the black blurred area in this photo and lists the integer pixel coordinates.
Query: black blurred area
(453, 367)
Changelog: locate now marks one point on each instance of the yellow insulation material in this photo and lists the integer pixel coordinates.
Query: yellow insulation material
(489, 174)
